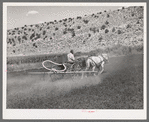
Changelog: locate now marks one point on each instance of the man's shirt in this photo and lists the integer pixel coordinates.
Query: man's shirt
(70, 57)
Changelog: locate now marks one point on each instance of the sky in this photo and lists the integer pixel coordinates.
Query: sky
(18, 16)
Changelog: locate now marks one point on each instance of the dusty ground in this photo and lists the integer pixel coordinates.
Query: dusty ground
(119, 87)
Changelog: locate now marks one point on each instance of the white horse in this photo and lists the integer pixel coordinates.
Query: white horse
(97, 62)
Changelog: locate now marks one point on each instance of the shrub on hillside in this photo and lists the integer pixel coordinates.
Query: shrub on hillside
(9, 41)
(44, 37)
(37, 26)
(24, 37)
(138, 22)
(40, 28)
(128, 26)
(106, 31)
(113, 29)
(32, 36)
(119, 32)
(70, 19)
(103, 27)
(13, 51)
(79, 17)
(65, 19)
(89, 35)
(78, 27)
(51, 22)
(108, 15)
(70, 29)
(56, 28)
(37, 36)
(94, 29)
(14, 44)
(73, 34)
(64, 32)
(106, 22)
(140, 17)
(19, 39)
(132, 14)
(85, 21)
(44, 32)
(100, 39)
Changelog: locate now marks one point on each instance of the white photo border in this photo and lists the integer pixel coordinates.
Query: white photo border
(133, 114)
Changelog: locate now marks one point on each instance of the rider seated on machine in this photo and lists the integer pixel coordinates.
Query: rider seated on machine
(71, 58)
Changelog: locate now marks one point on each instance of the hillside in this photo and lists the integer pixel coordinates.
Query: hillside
(100, 30)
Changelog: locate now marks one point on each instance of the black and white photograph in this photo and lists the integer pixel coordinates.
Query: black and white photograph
(74, 60)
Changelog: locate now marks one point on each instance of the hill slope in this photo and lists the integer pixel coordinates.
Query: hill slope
(97, 31)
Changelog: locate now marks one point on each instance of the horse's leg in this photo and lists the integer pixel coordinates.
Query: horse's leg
(86, 69)
(93, 69)
(99, 68)
(102, 66)
(85, 72)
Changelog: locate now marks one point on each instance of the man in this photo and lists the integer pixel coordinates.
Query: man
(70, 60)
(70, 57)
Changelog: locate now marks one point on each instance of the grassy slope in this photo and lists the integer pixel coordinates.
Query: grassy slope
(119, 87)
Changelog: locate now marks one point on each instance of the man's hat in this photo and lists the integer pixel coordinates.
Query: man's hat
(71, 51)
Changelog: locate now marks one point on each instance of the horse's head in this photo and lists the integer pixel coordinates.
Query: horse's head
(105, 57)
